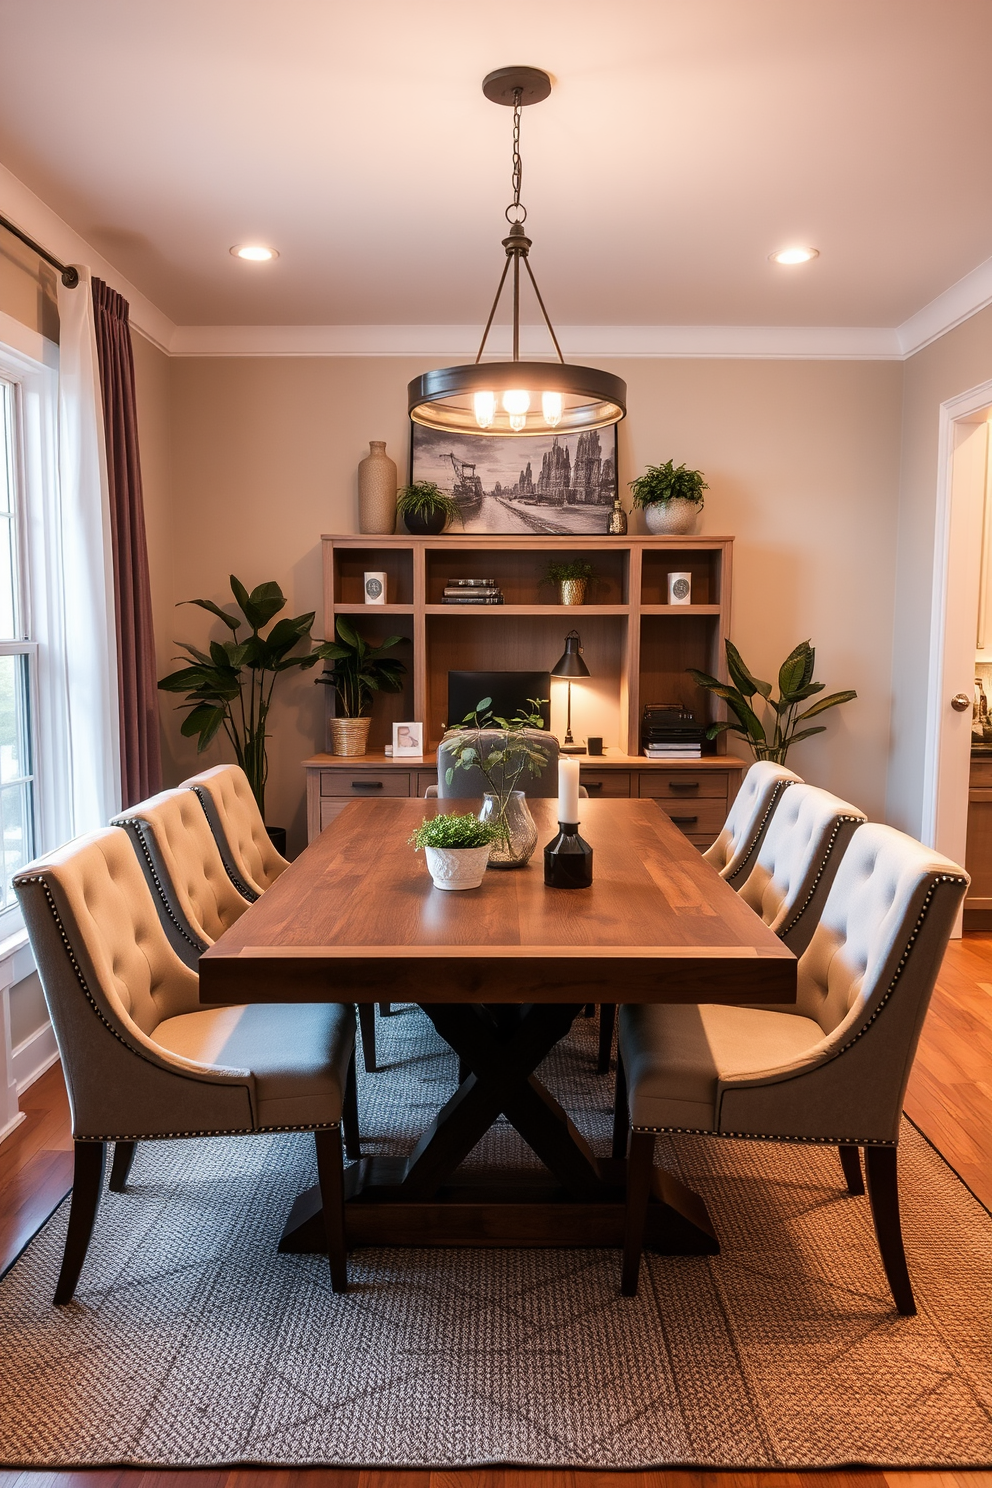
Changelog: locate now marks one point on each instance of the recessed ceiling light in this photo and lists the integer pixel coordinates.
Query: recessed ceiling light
(254, 252)
(794, 255)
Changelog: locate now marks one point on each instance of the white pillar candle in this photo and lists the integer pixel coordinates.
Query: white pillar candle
(568, 790)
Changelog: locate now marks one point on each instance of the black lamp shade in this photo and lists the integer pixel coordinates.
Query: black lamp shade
(570, 663)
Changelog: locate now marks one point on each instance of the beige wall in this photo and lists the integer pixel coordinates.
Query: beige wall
(28, 287)
(801, 457)
(956, 362)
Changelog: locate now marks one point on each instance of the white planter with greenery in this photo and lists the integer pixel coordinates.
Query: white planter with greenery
(671, 497)
(456, 848)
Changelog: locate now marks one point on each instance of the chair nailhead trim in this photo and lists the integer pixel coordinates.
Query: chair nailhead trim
(703, 1131)
(820, 872)
(227, 1131)
(780, 786)
(201, 793)
(137, 827)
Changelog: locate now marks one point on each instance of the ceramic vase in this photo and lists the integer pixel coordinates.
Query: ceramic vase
(377, 490)
(617, 524)
(457, 867)
(515, 849)
(573, 591)
(420, 524)
(349, 735)
(677, 516)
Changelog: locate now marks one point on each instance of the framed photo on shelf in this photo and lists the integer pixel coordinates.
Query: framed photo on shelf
(408, 740)
(552, 485)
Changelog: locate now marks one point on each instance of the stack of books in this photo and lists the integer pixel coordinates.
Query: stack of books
(472, 592)
(671, 732)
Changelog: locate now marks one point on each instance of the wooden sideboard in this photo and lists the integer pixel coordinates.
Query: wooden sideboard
(696, 794)
(978, 853)
(637, 647)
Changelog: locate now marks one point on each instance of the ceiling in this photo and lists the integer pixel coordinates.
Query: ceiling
(684, 141)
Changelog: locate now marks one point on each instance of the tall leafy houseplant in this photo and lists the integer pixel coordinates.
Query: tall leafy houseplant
(795, 685)
(230, 687)
(359, 670)
(502, 761)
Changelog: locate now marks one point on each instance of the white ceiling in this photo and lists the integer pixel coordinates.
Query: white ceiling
(683, 142)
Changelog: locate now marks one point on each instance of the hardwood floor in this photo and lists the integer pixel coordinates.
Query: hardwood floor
(949, 1098)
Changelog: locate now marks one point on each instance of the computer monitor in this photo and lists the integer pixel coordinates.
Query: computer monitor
(509, 691)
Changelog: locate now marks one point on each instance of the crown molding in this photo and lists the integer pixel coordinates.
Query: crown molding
(959, 303)
(459, 343)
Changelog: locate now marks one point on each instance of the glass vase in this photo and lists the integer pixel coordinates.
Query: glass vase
(513, 850)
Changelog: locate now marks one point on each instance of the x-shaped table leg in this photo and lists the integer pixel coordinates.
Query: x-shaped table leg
(502, 1047)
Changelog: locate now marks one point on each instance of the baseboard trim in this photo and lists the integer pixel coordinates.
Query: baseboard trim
(33, 1056)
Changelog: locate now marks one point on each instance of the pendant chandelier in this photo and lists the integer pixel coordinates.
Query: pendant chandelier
(517, 397)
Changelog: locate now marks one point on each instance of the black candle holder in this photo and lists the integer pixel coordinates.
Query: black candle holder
(568, 859)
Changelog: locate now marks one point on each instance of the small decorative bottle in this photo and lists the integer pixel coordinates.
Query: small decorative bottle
(617, 524)
(377, 490)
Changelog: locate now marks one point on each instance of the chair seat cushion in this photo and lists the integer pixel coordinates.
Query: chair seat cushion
(297, 1052)
(674, 1055)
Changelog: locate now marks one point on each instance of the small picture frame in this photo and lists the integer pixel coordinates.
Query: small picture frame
(408, 740)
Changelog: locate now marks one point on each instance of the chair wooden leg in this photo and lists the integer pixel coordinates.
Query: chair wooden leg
(621, 1115)
(330, 1174)
(640, 1166)
(607, 1023)
(850, 1161)
(385, 1010)
(87, 1181)
(121, 1166)
(349, 1113)
(366, 1022)
(881, 1165)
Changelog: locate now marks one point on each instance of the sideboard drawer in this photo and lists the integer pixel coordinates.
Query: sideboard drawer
(696, 818)
(371, 783)
(683, 785)
(424, 779)
(605, 783)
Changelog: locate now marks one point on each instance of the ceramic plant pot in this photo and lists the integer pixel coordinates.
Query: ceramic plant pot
(377, 490)
(573, 591)
(676, 516)
(457, 867)
(349, 735)
(424, 525)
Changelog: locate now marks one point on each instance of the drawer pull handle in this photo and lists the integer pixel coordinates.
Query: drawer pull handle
(684, 821)
(366, 785)
(683, 785)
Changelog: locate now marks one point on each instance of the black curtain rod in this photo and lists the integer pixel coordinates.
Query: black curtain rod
(70, 276)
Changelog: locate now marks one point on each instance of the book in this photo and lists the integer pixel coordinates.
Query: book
(673, 754)
(471, 583)
(458, 593)
(485, 599)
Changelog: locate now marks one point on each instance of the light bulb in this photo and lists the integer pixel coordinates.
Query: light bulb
(551, 408)
(516, 401)
(518, 421)
(795, 255)
(255, 253)
(485, 409)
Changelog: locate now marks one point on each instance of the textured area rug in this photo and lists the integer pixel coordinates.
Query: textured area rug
(192, 1342)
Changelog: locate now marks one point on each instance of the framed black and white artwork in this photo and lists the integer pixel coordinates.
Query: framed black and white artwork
(557, 485)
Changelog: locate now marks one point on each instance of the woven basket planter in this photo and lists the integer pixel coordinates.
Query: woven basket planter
(349, 735)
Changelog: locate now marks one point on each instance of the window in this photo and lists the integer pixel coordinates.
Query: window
(18, 658)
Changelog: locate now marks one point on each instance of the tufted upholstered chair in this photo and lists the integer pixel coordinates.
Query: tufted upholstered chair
(142, 1058)
(185, 872)
(797, 861)
(748, 818)
(246, 850)
(832, 1069)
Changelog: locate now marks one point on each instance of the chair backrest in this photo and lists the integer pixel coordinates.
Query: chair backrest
(246, 850)
(866, 979)
(747, 821)
(797, 861)
(184, 869)
(470, 785)
(110, 977)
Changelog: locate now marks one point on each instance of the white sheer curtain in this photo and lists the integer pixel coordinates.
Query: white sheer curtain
(89, 639)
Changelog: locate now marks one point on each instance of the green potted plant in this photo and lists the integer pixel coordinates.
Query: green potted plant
(670, 495)
(360, 670)
(501, 749)
(795, 685)
(573, 579)
(230, 687)
(426, 509)
(456, 848)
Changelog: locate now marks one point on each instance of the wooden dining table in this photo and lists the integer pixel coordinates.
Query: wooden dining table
(501, 971)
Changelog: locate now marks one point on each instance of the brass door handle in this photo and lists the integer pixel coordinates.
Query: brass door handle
(960, 701)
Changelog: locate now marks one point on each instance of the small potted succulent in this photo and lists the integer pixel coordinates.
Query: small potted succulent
(671, 497)
(456, 848)
(426, 509)
(573, 579)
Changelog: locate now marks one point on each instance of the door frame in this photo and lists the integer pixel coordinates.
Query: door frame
(957, 549)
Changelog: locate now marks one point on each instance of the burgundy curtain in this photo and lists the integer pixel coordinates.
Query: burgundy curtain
(141, 757)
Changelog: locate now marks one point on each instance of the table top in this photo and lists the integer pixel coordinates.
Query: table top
(356, 918)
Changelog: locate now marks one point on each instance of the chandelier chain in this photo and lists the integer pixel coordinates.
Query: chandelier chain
(517, 177)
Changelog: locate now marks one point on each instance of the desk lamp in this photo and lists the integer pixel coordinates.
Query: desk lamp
(569, 665)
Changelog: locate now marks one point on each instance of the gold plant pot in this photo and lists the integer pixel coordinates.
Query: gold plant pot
(349, 735)
(573, 591)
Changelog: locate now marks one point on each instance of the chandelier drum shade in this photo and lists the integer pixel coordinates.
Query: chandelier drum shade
(517, 397)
